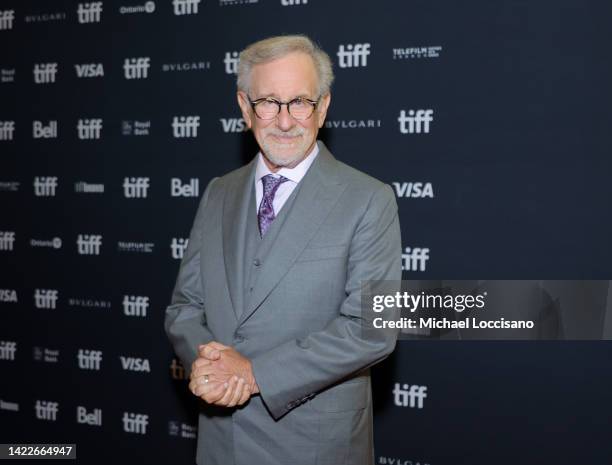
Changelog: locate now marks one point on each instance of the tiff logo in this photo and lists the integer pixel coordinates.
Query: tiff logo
(135, 305)
(40, 131)
(94, 418)
(89, 359)
(231, 62)
(135, 423)
(178, 189)
(178, 246)
(136, 68)
(7, 240)
(233, 124)
(44, 186)
(6, 19)
(45, 298)
(7, 350)
(89, 128)
(414, 259)
(135, 188)
(177, 370)
(89, 244)
(89, 70)
(293, 2)
(89, 12)
(185, 7)
(353, 56)
(46, 410)
(44, 73)
(185, 126)
(7, 128)
(415, 122)
(409, 396)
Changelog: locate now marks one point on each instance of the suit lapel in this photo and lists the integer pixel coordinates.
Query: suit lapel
(319, 192)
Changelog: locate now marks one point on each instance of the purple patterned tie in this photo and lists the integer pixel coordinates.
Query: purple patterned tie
(266, 215)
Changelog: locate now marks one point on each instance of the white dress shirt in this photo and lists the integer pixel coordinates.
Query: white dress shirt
(294, 175)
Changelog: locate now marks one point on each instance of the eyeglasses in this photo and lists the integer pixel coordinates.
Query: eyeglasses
(299, 108)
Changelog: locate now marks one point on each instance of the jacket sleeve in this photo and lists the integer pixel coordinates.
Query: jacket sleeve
(294, 371)
(185, 321)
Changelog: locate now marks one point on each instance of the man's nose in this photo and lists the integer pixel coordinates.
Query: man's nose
(284, 120)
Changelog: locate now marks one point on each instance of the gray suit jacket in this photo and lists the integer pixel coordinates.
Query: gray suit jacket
(290, 302)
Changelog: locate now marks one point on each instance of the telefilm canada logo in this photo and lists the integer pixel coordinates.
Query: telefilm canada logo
(417, 53)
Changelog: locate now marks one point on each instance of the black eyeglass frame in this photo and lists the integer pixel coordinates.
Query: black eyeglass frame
(254, 103)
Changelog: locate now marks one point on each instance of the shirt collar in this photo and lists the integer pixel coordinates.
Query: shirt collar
(293, 174)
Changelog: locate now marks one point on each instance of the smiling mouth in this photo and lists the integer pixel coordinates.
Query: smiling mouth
(284, 139)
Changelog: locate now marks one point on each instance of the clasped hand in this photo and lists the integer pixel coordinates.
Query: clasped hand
(222, 376)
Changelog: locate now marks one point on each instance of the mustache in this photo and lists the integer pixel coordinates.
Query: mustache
(293, 133)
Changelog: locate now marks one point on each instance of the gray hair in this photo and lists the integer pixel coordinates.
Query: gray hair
(270, 49)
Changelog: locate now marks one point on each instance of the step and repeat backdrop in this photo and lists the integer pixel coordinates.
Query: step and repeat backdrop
(490, 120)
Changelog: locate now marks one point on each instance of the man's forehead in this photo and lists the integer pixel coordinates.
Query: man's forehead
(293, 75)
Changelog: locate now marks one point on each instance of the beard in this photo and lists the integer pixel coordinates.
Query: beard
(286, 154)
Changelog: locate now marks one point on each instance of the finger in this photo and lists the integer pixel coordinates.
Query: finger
(227, 396)
(246, 394)
(237, 393)
(200, 362)
(212, 350)
(199, 372)
(209, 391)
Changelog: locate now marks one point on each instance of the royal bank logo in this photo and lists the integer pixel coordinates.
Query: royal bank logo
(8, 349)
(135, 423)
(135, 247)
(186, 66)
(135, 305)
(7, 130)
(8, 296)
(82, 187)
(135, 364)
(46, 410)
(418, 53)
(9, 186)
(89, 129)
(147, 7)
(44, 354)
(45, 186)
(182, 430)
(10, 406)
(45, 298)
(55, 243)
(185, 7)
(231, 62)
(7, 240)
(230, 125)
(409, 396)
(177, 247)
(7, 75)
(136, 128)
(89, 244)
(89, 70)
(44, 73)
(185, 126)
(353, 124)
(6, 19)
(89, 359)
(415, 121)
(415, 190)
(93, 418)
(177, 370)
(89, 303)
(294, 2)
(189, 189)
(136, 68)
(415, 259)
(136, 188)
(45, 17)
(42, 131)
(353, 55)
(89, 12)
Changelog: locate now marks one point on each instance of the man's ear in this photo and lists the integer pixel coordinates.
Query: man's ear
(245, 107)
(322, 108)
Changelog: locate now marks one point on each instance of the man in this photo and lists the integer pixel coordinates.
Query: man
(266, 311)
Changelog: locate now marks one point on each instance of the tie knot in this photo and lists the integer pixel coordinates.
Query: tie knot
(270, 184)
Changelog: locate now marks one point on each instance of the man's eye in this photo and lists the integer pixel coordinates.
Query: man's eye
(298, 103)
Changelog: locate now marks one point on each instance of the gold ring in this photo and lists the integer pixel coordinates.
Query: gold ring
(206, 378)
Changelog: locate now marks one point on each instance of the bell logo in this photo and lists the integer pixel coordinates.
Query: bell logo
(177, 371)
(185, 7)
(135, 423)
(7, 128)
(135, 305)
(231, 62)
(135, 364)
(413, 189)
(136, 68)
(414, 259)
(45, 298)
(89, 359)
(185, 126)
(44, 186)
(94, 418)
(46, 410)
(415, 122)
(178, 246)
(89, 244)
(135, 188)
(7, 240)
(89, 128)
(409, 396)
(178, 189)
(353, 55)
(8, 295)
(233, 125)
(89, 12)
(89, 70)
(8, 350)
(6, 19)
(44, 73)
(39, 131)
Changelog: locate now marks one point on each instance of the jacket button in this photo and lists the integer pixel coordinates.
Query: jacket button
(256, 262)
